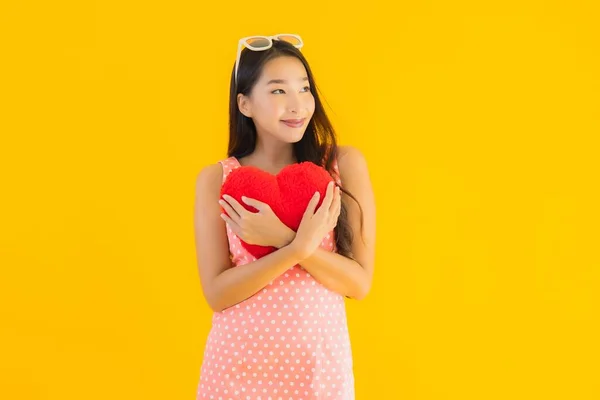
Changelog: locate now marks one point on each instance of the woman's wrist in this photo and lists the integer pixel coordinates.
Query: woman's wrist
(286, 238)
(298, 249)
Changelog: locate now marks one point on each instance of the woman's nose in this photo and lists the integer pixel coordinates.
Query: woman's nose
(294, 103)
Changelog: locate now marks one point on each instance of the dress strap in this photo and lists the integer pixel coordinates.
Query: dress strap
(229, 164)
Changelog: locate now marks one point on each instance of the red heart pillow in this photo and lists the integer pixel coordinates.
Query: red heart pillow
(288, 193)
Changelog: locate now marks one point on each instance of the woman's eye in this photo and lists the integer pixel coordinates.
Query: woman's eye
(277, 91)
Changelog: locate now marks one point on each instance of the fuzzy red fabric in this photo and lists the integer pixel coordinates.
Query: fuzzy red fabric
(288, 193)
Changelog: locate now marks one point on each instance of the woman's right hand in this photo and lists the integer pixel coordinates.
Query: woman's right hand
(315, 225)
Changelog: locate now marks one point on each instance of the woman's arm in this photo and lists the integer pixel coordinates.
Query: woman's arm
(339, 273)
(336, 272)
(224, 286)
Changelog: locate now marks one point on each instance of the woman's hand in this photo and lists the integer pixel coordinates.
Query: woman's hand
(262, 228)
(315, 225)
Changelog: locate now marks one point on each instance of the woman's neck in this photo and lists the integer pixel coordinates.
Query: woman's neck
(270, 163)
(271, 157)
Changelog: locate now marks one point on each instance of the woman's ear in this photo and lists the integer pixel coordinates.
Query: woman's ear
(244, 105)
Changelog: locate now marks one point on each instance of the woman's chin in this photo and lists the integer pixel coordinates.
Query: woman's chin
(291, 138)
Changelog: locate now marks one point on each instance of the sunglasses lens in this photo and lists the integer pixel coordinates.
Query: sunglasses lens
(290, 39)
(258, 42)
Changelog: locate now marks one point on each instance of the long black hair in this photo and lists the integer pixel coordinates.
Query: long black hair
(318, 145)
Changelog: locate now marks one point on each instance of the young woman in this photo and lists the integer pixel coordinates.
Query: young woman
(279, 328)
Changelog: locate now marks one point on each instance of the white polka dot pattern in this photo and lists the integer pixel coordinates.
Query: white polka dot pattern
(289, 341)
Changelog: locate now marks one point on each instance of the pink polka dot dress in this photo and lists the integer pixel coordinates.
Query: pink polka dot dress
(289, 341)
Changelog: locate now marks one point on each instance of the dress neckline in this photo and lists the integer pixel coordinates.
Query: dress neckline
(238, 164)
(335, 167)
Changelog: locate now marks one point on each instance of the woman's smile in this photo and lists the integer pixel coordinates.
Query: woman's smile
(294, 123)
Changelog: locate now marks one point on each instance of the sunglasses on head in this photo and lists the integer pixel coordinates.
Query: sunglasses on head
(261, 43)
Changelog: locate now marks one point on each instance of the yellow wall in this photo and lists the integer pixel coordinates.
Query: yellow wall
(480, 124)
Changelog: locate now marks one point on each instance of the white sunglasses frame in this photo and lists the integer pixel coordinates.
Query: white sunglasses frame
(242, 43)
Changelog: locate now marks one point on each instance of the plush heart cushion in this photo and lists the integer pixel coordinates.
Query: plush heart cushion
(288, 193)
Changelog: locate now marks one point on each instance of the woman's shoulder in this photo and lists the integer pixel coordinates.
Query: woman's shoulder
(350, 157)
(210, 177)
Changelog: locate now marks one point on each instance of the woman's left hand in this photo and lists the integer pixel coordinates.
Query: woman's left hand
(262, 228)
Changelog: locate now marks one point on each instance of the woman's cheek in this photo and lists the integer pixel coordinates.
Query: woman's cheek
(312, 105)
(276, 107)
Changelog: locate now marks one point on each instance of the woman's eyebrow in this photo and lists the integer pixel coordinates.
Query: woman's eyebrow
(285, 81)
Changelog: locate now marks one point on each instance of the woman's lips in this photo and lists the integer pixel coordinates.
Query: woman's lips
(294, 123)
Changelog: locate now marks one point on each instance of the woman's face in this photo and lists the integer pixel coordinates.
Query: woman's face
(280, 103)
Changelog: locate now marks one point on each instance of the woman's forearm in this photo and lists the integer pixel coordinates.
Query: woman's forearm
(239, 283)
(335, 271)
(338, 273)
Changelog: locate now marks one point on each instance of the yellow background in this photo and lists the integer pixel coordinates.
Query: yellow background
(480, 124)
